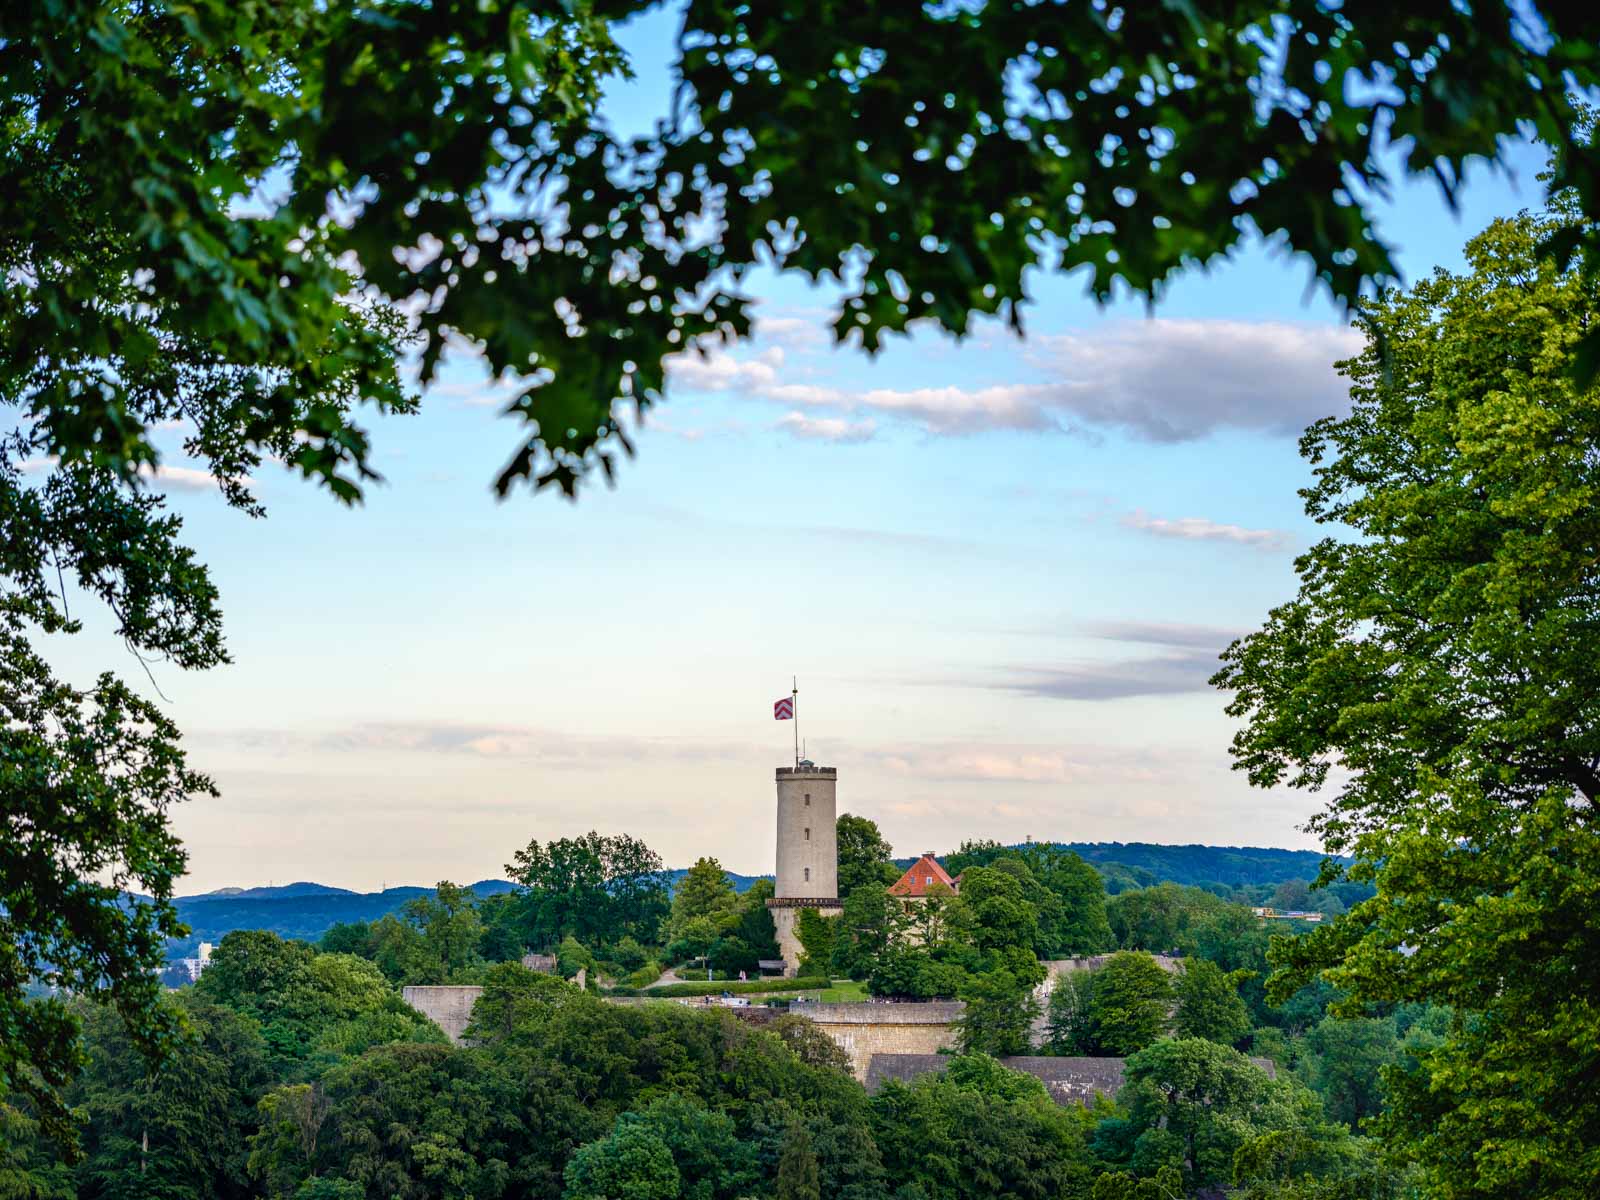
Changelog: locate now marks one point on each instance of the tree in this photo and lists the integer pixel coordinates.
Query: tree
(798, 1178)
(1069, 1021)
(312, 1008)
(865, 859)
(233, 250)
(978, 1131)
(283, 1151)
(1001, 1004)
(596, 888)
(1192, 1104)
(86, 779)
(1161, 919)
(1208, 1004)
(185, 1123)
(450, 927)
(870, 922)
(1129, 1003)
(1437, 652)
(1348, 1057)
(704, 906)
(1078, 924)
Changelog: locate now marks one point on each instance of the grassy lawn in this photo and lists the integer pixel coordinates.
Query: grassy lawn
(842, 990)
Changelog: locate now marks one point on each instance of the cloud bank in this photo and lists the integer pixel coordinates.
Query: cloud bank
(1161, 380)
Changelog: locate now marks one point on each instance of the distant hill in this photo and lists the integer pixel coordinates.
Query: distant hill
(296, 910)
(1193, 865)
(308, 910)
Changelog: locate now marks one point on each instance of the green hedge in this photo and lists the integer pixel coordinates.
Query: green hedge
(717, 987)
(645, 975)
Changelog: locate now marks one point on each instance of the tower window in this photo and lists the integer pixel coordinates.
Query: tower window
(808, 874)
(808, 834)
(808, 799)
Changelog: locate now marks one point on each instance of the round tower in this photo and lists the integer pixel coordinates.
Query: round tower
(808, 851)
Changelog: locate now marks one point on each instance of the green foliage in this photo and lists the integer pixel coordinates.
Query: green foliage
(704, 907)
(86, 778)
(816, 935)
(1069, 1022)
(1129, 1003)
(869, 924)
(1162, 919)
(312, 1008)
(865, 859)
(1208, 1004)
(1166, 1184)
(185, 1123)
(1066, 892)
(1192, 1104)
(632, 1163)
(977, 1132)
(1348, 1057)
(1001, 1005)
(450, 925)
(598, 889)
(798, 1177)
(1437, 650)
(572, 957)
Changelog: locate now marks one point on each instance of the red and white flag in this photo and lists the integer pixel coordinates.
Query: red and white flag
(783, 710)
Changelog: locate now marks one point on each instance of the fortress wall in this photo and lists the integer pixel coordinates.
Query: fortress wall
(862, 1030)
(450, 1008)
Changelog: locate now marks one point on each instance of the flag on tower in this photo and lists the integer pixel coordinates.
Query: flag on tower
(783, 710)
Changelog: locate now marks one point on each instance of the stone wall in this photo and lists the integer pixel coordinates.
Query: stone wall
(450, 1008)
(785, 912)
(892, 1027)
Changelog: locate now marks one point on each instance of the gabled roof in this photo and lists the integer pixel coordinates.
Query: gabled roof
(921, 876)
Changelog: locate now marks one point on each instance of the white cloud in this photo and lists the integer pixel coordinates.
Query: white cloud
(716, 370)
(1171, 380)
(1013, 763)
(828, 429)
(1164, 633)
(952, 410)
(1199, 529)
(1169, 674)
(175, 479)
(1160, 380)
(550, 748)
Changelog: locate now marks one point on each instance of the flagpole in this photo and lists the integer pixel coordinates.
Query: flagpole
(794, 702)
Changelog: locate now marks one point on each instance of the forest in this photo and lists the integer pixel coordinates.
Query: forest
(298, 1072)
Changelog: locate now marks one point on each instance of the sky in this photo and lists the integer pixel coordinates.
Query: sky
(1001, 571)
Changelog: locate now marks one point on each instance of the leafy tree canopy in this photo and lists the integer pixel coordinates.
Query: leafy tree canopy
(1438, 651)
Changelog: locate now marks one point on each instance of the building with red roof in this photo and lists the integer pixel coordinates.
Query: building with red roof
(922, 877)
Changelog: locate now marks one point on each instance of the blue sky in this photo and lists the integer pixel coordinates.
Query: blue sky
(1002, 571)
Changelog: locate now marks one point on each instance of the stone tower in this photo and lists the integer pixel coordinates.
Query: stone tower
(808, 851)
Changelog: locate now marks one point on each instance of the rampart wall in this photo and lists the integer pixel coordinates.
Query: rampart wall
(448, 1007)
(889, 1027)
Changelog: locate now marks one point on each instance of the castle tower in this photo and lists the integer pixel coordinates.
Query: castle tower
(808, 851)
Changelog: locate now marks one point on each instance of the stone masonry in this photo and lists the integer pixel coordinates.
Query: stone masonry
(450, 1008)
(885, 1027)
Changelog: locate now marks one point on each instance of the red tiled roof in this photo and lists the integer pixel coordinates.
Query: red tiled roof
(921, 876)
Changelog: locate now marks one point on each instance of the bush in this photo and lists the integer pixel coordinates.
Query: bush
(644, 976)
(733, 987)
